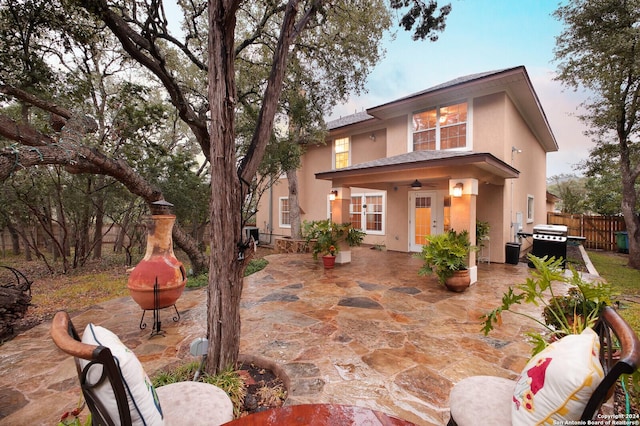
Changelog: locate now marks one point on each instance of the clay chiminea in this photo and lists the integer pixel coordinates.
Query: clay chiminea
(159, 263)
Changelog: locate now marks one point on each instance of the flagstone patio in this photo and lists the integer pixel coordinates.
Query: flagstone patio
(370, 333)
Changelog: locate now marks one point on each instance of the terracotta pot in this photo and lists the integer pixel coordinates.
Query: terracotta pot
(159, 264)
(328, 261)
(459, 281)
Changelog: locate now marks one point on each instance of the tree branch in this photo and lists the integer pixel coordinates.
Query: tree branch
(24, 134)
(249, 164)
(35, 101)
(146, 54)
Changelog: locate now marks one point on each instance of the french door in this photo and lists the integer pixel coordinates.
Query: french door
(425, 217)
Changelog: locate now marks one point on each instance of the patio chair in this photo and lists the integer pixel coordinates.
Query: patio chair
(490, 400)
(118, 392)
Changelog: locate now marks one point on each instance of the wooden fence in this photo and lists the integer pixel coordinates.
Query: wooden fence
(599, 231)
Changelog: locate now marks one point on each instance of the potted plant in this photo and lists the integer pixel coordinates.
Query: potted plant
(329, 259)
(325, 237)
(446, 255)
(562, 315)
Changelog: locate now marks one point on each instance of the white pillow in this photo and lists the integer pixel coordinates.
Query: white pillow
(144, 405)
(557, 383)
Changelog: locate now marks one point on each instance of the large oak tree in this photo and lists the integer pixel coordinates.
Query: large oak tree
(599, 50)
(143, 32)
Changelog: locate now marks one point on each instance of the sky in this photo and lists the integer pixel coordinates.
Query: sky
(485, 35)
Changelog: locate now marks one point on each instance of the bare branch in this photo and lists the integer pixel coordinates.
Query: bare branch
(32, 100)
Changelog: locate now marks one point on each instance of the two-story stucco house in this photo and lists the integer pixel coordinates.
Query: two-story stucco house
(471, 148)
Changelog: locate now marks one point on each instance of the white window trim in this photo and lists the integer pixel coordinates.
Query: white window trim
(469, 139)
(333, 152)
(530, 208)
(382, 194)
(282, 225)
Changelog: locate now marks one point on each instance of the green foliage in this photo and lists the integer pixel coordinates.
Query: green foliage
(571, 190)
(445, 253)
(255, 265)
(421, 17)
(624, 281)
(562, 314)
(482, 230)
(597, 51)
(202, 280)
(325, 236)
(228, 380)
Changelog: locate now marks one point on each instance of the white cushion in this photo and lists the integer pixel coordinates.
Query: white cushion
(557, 383)
(482, 400)
(144, 405)
(194, 404)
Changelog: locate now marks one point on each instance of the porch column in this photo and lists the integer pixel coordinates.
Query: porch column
(340, 214)
(463, 214)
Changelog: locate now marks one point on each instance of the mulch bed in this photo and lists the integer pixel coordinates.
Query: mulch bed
(264, 389)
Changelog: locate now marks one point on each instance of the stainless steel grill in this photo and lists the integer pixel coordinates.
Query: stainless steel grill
(551, 241)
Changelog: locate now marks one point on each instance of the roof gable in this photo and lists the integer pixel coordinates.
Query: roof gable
(514, 81)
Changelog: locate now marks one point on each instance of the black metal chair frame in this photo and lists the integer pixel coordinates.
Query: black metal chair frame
(66, 338)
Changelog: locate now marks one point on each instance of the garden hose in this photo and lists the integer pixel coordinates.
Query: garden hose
(627, 403)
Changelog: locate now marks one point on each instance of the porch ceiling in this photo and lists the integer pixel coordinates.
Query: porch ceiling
(426, 165)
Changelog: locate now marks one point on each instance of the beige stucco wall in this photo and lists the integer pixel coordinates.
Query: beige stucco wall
(496, 127)
(365, 148)
(397, 135)
(489, 124)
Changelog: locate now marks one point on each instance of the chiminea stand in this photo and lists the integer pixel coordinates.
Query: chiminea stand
(156, 330)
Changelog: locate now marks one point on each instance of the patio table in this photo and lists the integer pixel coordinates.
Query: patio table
(318, 415)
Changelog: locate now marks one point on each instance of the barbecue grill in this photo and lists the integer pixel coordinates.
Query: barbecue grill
(551, 241)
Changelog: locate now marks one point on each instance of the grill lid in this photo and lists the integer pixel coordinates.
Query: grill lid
(543, 229)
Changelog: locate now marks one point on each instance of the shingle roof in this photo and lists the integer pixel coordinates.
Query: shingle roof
(454, 82)
(364, 116)
(348, 119)
(409, 157)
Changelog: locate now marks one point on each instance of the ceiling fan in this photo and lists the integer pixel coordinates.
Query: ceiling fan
(416, 184)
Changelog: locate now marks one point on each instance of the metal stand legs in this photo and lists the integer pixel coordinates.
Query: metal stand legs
(156, 330)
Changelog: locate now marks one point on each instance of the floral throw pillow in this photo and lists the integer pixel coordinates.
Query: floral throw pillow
(557, 383)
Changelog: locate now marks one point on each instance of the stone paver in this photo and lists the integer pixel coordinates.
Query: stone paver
(370, 333)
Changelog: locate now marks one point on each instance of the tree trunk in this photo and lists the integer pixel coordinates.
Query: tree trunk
(228, 183)
(189, 245)
(225, 267)
(294, 205)
(97, 233)
(123, 229)
(15, 239)
(631, 219)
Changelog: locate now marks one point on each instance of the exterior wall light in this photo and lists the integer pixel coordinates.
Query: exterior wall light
(332, 195)
(416, 184)
(457, 190)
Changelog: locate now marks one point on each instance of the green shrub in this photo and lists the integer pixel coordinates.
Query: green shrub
(202, 280)
(255, 265)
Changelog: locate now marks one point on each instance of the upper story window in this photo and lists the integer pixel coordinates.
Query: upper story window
(341, 153)
(440, 128)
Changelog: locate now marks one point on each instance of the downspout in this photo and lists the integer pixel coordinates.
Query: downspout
(270, 224)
